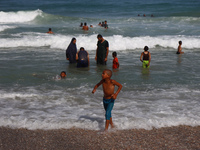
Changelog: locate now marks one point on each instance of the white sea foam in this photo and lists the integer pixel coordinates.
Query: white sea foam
(57, 109)
(5, 27)
(19, 17)
(116, 42)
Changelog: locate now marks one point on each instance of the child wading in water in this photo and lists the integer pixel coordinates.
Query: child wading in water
(179, 51)
(109, 95)
(115, 61)
(145, 57)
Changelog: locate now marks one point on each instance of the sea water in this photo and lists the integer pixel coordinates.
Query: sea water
(32, 95)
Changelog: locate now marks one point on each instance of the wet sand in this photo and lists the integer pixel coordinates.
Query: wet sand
(173, 138)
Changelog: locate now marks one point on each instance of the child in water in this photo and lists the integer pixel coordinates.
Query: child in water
(109, 95)
(115, 61)
(179, 51)
(63, 75)
(145, 57)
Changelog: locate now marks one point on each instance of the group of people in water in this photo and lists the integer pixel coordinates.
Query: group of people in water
(85, 27)
(144, 15)
(103, 24)
(82, 59)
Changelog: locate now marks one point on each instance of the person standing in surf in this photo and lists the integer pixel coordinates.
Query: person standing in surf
(179, 51)
(71, 51)
(85, 27)
(145, 57)
(82, 58)
(105, 24)
(115, 60)
(109, 95)
(102, 50)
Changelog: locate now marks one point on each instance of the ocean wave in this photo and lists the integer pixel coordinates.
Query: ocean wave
(5, 27)
(116, 42)
(19, 16)
(30, 15)
(94, 123)
(34, 108)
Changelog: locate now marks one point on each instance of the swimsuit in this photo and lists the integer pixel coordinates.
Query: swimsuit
(145, 60)
(145, 56)
(145, 63)
(115, 63)
(108, 106)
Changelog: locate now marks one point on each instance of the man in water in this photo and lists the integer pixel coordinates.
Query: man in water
(105, 24)
(179, 51)
(82, 57)
(102, 50)
(85, 27)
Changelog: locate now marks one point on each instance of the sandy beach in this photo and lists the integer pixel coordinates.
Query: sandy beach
(177, 138)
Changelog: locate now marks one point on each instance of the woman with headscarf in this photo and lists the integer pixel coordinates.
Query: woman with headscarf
(71, 51)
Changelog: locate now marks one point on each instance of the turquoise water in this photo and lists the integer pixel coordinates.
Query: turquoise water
(32, 96)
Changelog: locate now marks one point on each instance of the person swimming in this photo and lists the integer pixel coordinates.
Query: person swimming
(50, 31)
(63, 75)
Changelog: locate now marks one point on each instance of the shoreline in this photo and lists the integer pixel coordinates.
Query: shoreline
(176, 137)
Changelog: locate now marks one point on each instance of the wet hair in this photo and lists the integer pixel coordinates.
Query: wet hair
(146, 48)
(63, 72)
(114, 54)
(82, 48)
(49, 29)
(109, 72)
(99, 36)
(180, 42)
(85, 23)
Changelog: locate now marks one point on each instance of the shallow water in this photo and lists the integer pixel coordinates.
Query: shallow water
(32, 96)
